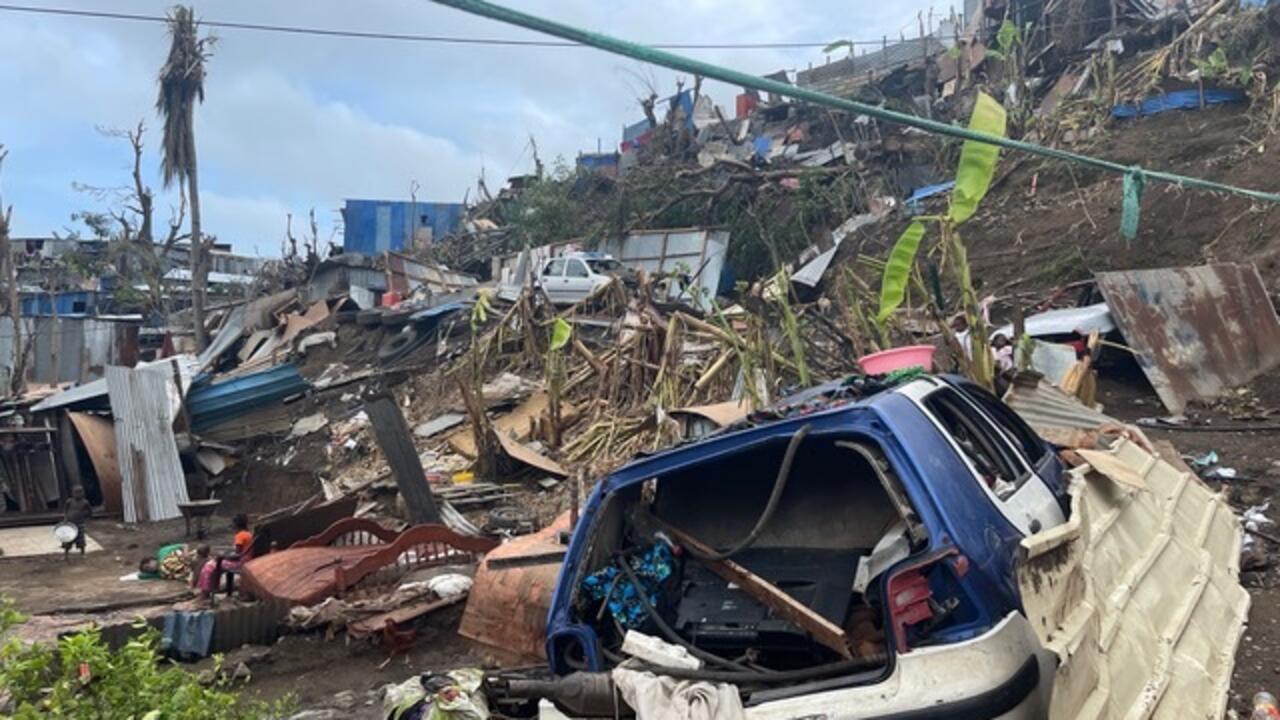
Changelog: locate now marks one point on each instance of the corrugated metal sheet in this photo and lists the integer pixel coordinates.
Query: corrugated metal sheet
(699, 251)
(69, 349)
(214, 402)
(876, 62)
(1046, 408)
(152, 480)
(1138, 593)
(94, 393)
(376, 226)
(67, 302)
(1197, 331)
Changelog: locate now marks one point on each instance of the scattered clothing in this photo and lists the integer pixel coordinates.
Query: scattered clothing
(615, 589)
(658, 697)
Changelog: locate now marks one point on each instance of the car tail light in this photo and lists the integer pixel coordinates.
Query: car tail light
(909, 597)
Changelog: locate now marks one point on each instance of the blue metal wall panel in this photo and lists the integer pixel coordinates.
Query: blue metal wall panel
(375, 226)
(213, 403)
(71, 302)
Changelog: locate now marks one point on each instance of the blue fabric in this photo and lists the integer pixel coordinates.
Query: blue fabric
(1180, 100)
(188, 633)
(929, 191)
(651, 569)
(762, 145)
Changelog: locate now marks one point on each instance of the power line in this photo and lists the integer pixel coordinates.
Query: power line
(443, 39)
(446, 39)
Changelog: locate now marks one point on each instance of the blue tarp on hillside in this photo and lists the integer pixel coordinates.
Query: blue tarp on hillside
(1180, 100)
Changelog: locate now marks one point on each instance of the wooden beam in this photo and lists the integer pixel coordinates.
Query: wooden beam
(771, 596)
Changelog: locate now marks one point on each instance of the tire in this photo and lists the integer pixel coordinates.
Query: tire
(369, 318)
(345, 317)
(401, 345)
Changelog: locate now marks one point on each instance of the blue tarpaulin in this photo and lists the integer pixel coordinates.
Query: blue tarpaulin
(188, 634)
(929, 191)
(1180, 100)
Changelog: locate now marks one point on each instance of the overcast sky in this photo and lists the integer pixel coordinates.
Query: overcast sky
(292, 122)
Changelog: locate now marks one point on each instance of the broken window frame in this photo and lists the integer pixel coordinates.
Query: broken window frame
(1031, 446)
(1032, 506)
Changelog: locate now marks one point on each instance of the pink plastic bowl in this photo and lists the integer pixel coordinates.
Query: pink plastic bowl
(886, 361)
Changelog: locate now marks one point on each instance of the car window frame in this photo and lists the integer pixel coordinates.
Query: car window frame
(548, 270)
(1016, 429)
(992, 441)
(579, 263)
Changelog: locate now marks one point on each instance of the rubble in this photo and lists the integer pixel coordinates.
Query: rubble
(426, 415)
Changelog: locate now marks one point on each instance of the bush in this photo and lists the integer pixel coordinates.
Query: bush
(84, 679)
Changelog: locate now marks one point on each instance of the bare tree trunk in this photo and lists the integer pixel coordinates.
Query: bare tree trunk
(18, 380)
(199, 258)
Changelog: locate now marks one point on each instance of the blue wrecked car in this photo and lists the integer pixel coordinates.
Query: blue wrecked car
(848, 553)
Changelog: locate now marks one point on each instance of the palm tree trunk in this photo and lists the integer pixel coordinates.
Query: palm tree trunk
(199, 258)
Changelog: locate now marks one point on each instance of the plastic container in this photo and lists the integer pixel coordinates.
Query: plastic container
(886, 361)
(1264, 707)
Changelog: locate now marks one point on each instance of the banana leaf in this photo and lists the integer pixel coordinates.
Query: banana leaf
(977, 160)
(897, 270)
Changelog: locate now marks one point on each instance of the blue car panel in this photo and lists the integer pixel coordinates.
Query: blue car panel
(951, 505)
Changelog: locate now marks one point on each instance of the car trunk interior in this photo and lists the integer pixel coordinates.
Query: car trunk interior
(798, 595)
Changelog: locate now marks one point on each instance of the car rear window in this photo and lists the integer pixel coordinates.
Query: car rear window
(605, 266)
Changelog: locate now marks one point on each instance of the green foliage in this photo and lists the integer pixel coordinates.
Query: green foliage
(1008, 38)
(838, 45)
(897, 271)
(1220, 68)
(86, 679)
(973, 178)
(561, 332)
(977, 160)
(479, 314)
(547, 210)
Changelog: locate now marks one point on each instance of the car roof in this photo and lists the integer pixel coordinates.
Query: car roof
(819, 404)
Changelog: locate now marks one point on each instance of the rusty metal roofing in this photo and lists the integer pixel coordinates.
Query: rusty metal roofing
(152, 480)
(1197, 331)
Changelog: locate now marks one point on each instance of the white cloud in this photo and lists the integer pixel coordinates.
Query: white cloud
(293, 122)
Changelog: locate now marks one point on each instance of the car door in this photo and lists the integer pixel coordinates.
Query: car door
(552, 280)
(1005, 474)
(578, 282)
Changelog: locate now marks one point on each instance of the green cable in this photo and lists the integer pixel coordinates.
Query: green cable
(734, 77)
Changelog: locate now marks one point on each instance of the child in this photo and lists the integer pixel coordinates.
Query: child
(77, 511)
(204, 570)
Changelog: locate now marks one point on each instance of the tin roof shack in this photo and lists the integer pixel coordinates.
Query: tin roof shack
(69, 349)
(365, 278)
(33, 481)
(375, 226)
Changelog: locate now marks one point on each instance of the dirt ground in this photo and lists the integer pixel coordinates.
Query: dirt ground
(47, 584)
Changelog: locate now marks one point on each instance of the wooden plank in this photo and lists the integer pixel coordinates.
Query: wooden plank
(99, 438)
(375, 623)
(771, 596)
